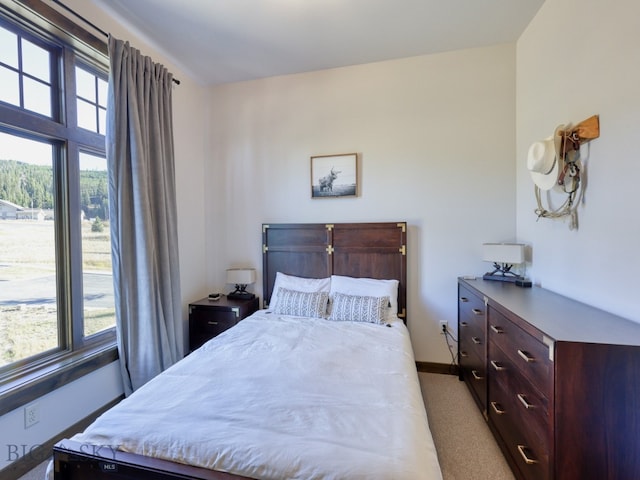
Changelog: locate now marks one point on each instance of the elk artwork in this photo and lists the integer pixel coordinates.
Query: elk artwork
(326, 182)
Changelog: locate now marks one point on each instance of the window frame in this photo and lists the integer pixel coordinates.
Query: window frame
(27, 379)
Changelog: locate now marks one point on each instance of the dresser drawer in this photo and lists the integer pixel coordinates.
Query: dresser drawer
(529, 355)
(471, 308)
(526, 403)
(528, 451)
(472, 337)
(509, 378)
(472, 369)
(472, 346)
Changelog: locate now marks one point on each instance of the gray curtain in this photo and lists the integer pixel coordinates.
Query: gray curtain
(142, 202)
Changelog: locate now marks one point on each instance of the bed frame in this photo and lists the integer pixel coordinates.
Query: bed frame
(314, 250)
(373, 250)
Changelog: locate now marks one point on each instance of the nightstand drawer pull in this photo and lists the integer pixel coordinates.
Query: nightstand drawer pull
(497, 329)
(476, 376)
(464, 299)
(236, 310)
(463, 354)
(464, 324)
(477, 311)
(497, 366)
(476, 340)
(524, 402)
(527, 459)
(211, 322)
(498, 408)
(526, 357)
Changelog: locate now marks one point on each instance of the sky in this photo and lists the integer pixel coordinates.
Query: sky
(40, 153)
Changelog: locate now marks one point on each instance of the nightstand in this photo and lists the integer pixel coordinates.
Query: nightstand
(209, 318)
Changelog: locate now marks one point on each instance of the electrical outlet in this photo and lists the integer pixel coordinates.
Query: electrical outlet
(31, 415)
(444, 327)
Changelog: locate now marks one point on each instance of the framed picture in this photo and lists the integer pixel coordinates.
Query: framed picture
(334, 175)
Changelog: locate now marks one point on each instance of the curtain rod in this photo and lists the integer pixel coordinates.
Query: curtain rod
(91, 24)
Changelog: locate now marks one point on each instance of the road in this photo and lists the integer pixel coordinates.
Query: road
(98, 291)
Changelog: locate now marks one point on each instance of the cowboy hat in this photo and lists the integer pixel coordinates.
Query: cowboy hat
(544, 160)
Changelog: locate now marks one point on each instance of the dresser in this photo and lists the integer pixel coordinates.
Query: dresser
(557, 381)
(209, 318)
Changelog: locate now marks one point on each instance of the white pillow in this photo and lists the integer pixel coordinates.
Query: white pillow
(301, 304)
(367, 286)
(300, 284)
(359, 308)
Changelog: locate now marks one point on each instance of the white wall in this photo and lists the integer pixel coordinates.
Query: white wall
(58, 411)
(436, 137)
(80, 398)
(578, 58)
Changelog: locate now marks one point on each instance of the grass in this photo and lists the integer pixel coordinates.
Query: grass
(28, 256)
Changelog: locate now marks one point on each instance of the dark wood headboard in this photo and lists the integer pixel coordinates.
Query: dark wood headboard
(315, 250)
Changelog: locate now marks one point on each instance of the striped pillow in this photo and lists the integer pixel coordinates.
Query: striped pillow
(301, 304)
(358, 308)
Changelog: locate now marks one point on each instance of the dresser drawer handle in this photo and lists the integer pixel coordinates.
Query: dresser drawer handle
(464, 299)
(211, 322)
(498, 408)
(477, 311)
(526, 357)
(497, 329)
(476, 340)
(524, 402)
(476, 376)
(527, 459)
(464, 324)
(497, 366)
(463, 354)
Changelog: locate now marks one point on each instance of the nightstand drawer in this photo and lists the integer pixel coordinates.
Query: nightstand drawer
(208, 319)
(206, 323)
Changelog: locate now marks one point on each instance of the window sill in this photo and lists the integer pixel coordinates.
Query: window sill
(62, 370)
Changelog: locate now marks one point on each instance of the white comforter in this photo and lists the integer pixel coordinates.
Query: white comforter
(280, 397)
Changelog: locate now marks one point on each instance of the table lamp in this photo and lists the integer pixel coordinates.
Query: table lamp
(504, 256)
(241, 277)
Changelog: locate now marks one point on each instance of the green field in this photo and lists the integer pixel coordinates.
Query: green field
(28, 312)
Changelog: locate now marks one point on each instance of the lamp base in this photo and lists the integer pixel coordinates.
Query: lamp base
(240, 296)
(519, 281)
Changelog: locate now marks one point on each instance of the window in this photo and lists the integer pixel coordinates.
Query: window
(28, 300)
(97, 281)
(56, 300)
(25, 73)
(92, 101)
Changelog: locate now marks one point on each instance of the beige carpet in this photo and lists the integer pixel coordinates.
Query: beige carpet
(466, 448)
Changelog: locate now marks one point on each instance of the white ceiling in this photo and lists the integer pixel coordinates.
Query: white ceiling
(221, 41)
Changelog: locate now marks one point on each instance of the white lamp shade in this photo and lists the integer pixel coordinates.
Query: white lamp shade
(511, 253)
(241, 276)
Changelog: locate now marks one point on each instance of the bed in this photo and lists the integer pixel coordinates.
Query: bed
(300, 389)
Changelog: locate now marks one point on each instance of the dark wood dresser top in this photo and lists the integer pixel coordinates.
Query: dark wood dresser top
(558, 317)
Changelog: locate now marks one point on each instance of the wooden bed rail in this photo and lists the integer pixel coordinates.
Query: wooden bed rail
(81, 461)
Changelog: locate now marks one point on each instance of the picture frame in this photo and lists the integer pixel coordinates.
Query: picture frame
(334, 176)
